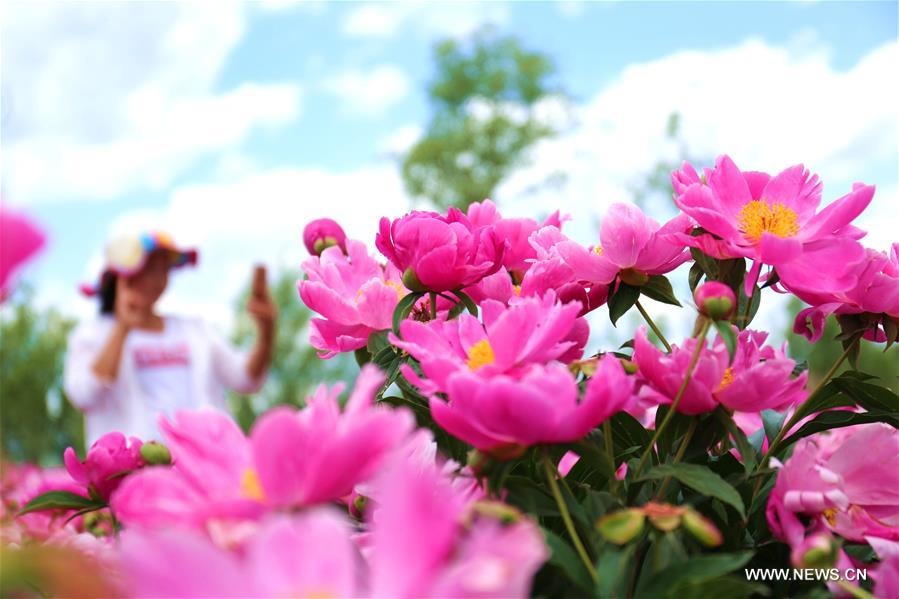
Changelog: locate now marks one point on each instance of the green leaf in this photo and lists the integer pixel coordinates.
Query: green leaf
(403, 307)
(696, 570)
(731, 587)
(59, 500)
(743, 319)
(708, 264)
(612, 569)
(622, 300)
(869, 396)
(467, 301)
(772, 422)
(376, 342)
(701, 479)
(659, 289)
(564, 557)
(695, 276)
(837, 419)
(726, 333)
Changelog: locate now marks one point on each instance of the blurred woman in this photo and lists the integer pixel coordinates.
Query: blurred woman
(132, 364)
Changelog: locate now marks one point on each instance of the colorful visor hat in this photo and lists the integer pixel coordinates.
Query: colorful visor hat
(127, 254)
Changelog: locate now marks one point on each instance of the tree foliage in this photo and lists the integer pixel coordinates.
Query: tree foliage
(37, 421)
(484, 99)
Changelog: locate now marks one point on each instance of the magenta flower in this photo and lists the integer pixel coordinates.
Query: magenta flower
(321, 234)
(529, 331)
(499, 414)
(515, 232)
(293, 458)
(304, 555)
(875, 292)
(775, 221)
(440, 253)
(319, 454)
(108, 460)
(429, 540)
(846, 481)
(632, 245)
(20, 239)
(759, 378)
(213, 476)
(354, 293)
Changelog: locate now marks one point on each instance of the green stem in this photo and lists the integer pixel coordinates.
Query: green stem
(433, 301)
(653, 326)
(681, 450)
(857, 592)
(700, 343)
(610, 449)
(551, 473)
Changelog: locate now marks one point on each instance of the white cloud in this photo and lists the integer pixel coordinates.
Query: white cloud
(401, 140)
(124, 98)
(434, 19)
(369, 93)
(767, 107)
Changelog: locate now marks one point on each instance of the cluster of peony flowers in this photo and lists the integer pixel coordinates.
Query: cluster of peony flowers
(485, 452)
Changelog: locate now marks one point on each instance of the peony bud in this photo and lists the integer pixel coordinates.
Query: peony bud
(702, 528)
(818, 550)
(664, 516)
(715, 300)
(496, 510)
(155, 453)
(411, 282)
(621, 527)
(321, 234)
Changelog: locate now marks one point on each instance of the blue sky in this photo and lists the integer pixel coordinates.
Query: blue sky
(234, 124)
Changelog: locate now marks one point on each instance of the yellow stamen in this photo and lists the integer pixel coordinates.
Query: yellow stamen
(250, 486)
(517, 289)
(758, 216)
(830, 514)
(480, 354)
(400, 290)
(727, 379)
(598, 249)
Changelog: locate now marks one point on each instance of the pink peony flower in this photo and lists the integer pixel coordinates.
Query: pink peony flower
(875, 292)
(213, 476)
(847, 481)
(293, 458)
(759, 378)
(354, 293)
(499, 414)
(319, 454)
(429, 540)
(20, 239)
(632, 245)
(108, 460)
(775, 221)
(440, 253)
(304, 555)
(529, 331)
(321, 234)
(515, 232)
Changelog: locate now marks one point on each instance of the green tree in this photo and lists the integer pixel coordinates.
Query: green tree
(296, 369)
(36, 419)
(484, 100)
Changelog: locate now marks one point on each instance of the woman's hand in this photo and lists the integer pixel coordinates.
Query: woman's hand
(262, 309)
(260, 305)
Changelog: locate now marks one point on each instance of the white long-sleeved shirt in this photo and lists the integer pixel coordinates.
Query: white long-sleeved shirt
(186, 366)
